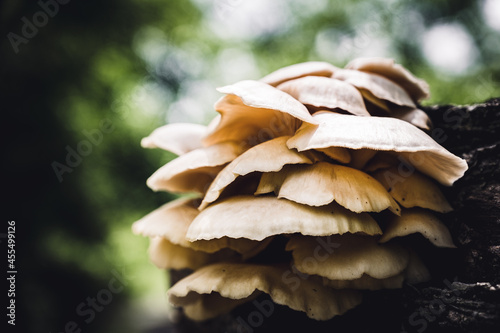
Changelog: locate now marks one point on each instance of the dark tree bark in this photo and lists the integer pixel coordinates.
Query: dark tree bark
(464, 293)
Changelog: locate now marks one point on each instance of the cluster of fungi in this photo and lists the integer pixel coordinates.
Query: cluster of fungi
(335, 165)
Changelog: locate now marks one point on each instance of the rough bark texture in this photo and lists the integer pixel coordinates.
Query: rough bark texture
(464, 293)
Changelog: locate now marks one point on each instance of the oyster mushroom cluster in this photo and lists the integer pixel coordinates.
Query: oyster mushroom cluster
(336, 162)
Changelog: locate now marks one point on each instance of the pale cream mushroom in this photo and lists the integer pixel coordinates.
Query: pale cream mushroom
(257, 218)
(216, 289)
(166, 255)
(311, 68)
(354, 256)
(415, 117)
(413, 189)
(253, 112)
(415, 272)
(381, 133)
(268, 156)
(322, 183)
(326, 93)
(377, 86)
(171, 222)
(366, 282)
(178, 138)
(417, 220)
(417, 88)
(194, 171)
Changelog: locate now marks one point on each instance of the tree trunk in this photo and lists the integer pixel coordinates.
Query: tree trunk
(464, 293)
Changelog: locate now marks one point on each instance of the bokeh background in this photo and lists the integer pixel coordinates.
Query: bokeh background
(123, 68)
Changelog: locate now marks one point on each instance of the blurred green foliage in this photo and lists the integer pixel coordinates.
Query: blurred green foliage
(139, 64)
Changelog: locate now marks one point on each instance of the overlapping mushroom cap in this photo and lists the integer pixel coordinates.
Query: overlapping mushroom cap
(336, 162)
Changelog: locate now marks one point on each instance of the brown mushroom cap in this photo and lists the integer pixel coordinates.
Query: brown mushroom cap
(241, 281)
(254, 111)
(194, 171)
(377, 85)
(257, 159)
(413, 190)
(261, 217)
(417, 88)
(322, 183)
(178, 138)
(311, 68)
(353, 256)
(327, 93)
(417, 220)
(381, 133)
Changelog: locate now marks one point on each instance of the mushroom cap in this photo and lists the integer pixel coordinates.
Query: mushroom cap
(360, 157)
(238, 282)
(413, 190)
(366, 282)
(326, 93)
(381, 133)
(255, 111)
(353, 256)
(377, 85)
(414, 116)
(256, 159)
(310, 68)
(170, 221)
(178, 138)
(261, 217)
(166, 255)
(338, 154)
(246, 247)
(322, 183)
(194, 171)
(416, 272)
(417, 88)
(417, 220)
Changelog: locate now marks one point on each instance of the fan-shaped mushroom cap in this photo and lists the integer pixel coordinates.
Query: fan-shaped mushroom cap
(377, 85)
(360, 157)
(255, 111)
(167, 255)
(415, 117)
(417, 88)
(260, 217)
(367, 282)
(326, 93)
(268, 156)
(178, 138)
(238, 282)
(246, 247)
(381, 133)
(194, 171)
(321, 183)
(170, 221)
(415, 272)
(417, 220)
(311, 68)
(338, 154)
(413, 190)
(354, 256)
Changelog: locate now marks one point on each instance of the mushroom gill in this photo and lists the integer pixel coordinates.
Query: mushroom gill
(313, 172)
